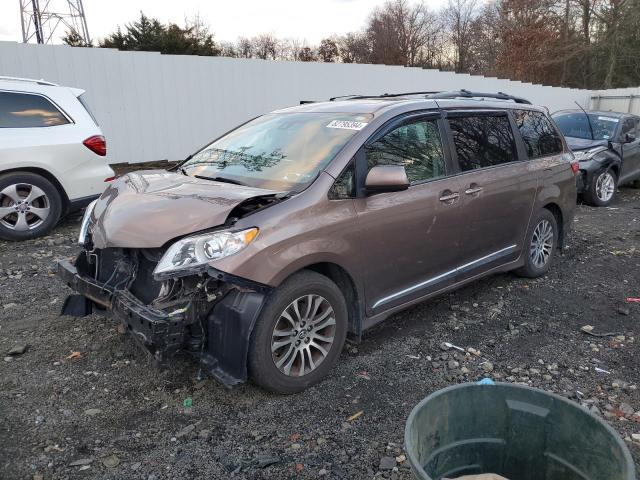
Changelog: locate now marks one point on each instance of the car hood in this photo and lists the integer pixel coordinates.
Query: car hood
(584, 143)
(146, 209)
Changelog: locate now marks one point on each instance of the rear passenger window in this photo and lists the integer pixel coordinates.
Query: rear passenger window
(540, 138)
(482, 141)
(22, 110)
(416, 146)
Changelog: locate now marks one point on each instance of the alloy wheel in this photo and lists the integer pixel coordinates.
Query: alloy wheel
(23, 207)
(605, 186)
(303, 335)
(541, 244)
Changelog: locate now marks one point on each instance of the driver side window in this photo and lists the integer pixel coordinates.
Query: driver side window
(416, 146)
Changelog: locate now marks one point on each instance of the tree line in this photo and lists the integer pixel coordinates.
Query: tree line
(573, 43)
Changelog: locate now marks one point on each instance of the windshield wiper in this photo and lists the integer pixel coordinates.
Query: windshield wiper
(221, 179)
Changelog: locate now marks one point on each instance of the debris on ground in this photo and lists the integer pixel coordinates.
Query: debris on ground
(355, 415)
(18, 350)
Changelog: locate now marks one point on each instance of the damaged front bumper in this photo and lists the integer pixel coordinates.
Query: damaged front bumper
(214, 324)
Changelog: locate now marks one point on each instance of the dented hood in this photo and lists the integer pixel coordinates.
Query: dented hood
(146, 209)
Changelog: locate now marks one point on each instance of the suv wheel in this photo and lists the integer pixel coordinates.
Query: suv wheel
(540, 245)
(30, 206)
(602, 188)
(299, 334)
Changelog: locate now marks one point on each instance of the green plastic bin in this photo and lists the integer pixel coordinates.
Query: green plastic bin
(518, 432)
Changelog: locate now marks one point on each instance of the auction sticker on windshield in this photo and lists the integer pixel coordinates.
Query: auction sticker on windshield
(608, 119)
(347, 124)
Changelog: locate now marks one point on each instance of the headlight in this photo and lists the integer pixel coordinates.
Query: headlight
(582, 155)
(84, 226)
(199, 250)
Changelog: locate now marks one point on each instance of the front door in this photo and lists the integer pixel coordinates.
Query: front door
(410, 239)
(630, 150)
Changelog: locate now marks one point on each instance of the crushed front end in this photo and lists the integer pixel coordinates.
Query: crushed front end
(207, 313)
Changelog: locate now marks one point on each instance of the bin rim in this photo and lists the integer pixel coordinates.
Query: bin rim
(631, 471)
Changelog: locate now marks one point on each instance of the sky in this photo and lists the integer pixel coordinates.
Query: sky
(310, 20)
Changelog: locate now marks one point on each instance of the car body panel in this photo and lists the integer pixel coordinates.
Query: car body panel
(146, 209)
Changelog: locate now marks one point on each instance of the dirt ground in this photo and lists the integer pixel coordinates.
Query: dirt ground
(83, 401)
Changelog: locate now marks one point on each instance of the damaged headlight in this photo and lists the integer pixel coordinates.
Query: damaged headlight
(582, 155)
(84, 226)
(199, 250)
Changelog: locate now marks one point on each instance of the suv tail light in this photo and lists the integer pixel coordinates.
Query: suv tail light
(575, 167)
(97, 144)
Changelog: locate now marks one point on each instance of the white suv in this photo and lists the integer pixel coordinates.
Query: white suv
(52, 156)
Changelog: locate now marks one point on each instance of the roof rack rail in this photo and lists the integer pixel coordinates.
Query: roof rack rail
(384, 95)
(32, 80)
(467, 94)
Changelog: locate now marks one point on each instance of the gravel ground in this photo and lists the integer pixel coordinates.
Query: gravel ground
(83, 401)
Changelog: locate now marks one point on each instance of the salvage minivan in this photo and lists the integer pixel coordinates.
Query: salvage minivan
(262, 252)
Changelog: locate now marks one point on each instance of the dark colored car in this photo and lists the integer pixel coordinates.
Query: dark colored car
(262, 252)
(607, 146)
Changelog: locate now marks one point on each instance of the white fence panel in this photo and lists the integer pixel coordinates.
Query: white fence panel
(617, 100)
(154, 107)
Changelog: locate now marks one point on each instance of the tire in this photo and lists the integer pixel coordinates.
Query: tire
(18, 220)
(281, 304)
(597, 192)
(538, 229)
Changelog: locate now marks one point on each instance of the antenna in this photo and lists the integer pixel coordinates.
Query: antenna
(588, 119)
(42, 19)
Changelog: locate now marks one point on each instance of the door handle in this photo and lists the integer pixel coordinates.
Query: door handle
(449, 197)
(471, 191)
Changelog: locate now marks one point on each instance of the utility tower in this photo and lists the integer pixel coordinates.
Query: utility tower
(41, 19)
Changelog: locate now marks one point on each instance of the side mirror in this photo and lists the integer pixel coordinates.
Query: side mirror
(386, 178)
(629, 137)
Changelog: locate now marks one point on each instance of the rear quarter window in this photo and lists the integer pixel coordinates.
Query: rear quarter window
(540, 137)
(24, 110)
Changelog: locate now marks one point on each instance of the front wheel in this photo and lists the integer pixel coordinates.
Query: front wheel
(540, 245)
(299, 334)
(602, 188)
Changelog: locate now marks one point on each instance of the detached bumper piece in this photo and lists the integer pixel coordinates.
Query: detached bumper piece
(214, 323)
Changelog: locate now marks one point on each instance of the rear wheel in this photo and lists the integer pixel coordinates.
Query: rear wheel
(299, 334)
(602, 188)
(540, 245)
(30, 206)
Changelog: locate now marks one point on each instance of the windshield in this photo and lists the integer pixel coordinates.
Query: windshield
(277, 151)
(575, 124)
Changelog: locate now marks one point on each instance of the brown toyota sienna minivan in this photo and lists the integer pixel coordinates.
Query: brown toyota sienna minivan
(263, 251)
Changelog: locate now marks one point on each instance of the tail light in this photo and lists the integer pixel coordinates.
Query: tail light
(97, 144)
(110, 179)
(575, 167)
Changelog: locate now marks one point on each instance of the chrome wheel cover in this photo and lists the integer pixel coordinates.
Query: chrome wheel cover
(541, 244)
(303, 335)
(23, 207)
(605, 186)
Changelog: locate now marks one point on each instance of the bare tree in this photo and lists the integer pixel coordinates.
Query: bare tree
(328, 50)
(460, 16)
(265, 46)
